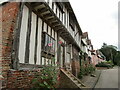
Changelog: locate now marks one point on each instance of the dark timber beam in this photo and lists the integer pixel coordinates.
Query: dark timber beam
(34, 4)
(57, 25)
(47, 15)
(44, 13)
(36, 43)
(39, 7)
(16, 41)
(42, 10)
(27, 51)
(52, 17)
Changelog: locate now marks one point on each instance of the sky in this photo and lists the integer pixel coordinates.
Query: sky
(99, 18)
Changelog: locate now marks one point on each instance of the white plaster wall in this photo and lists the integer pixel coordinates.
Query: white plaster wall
(57, 12)
(66, 58)
(50, 3)
(43, 60)
(56, 47)
(54, 8)
(63, 15)
(52, 33)
(39, 41)
(66, 18)
(32, 39)
(49, 30)
(45, 27)
(23, 34)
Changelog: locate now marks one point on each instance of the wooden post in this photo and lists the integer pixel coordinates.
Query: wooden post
(16, 38)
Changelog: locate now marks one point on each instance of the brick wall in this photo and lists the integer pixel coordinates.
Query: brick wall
(8, 19)
(75, 67)
(21, 78)
(75, 62)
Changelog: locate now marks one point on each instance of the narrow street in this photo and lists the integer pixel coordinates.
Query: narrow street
(108, 78)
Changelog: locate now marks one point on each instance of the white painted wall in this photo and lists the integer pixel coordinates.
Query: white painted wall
(32, 38)
(39, 41)
(63, 15)
(43, 60)
(23, 34)
(66, 17)
(56, 46)
(45, 27)
(49, 30)
(53, 33)
(50, 3)
(54, 8)
(66, 57)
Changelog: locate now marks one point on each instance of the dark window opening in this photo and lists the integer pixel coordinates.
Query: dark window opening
(48, 44)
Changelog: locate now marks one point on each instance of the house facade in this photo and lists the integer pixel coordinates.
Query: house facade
(38, 34)
(97, 57)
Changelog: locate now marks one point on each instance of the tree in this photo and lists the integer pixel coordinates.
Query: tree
(109, 51)
(117, 58)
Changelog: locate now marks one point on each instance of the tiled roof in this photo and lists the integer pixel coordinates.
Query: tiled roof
(85, 34)
(89, 42)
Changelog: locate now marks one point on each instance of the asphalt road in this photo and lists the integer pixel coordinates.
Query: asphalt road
(108, 78)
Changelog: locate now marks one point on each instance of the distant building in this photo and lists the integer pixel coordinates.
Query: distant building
(97, 57)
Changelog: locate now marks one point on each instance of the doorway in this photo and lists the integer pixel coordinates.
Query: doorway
(62, 56)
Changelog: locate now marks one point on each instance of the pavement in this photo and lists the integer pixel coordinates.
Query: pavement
(108, 78)
(90, 81)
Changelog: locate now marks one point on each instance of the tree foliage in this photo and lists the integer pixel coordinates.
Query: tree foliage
(117, 58)
(110, 52)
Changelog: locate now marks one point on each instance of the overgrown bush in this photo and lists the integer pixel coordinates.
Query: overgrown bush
(109, 62)
(47, 79)
(85, 70)
(118, 63)
(104, 64)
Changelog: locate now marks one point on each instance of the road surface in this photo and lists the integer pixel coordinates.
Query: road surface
(108, 78)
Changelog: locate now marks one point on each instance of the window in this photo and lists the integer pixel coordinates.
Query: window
(48, 44)
(72, 31)
(30, 38)
(68, 54)
(65, 18)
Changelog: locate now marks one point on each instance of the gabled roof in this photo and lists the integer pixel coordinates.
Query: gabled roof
(85, 34)
(89, 42)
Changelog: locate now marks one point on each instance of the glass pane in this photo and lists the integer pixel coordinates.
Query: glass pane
(46, 40)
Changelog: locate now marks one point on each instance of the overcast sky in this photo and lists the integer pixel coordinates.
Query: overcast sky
(99, 18)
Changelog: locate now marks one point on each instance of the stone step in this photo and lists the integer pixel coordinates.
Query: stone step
(74, 79)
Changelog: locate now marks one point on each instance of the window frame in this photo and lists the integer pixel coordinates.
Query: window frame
(51, 39)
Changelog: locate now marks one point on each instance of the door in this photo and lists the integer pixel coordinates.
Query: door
(62, 56)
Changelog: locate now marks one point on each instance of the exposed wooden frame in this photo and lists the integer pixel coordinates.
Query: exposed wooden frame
(27, 49)
(16, 40)
(41, 41)
(36, 43)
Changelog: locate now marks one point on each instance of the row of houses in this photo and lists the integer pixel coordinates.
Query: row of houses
(37, 34)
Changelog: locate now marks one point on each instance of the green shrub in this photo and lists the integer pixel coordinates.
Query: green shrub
(105, 64)
(118, 63)
(47, 79)
(85, 70)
